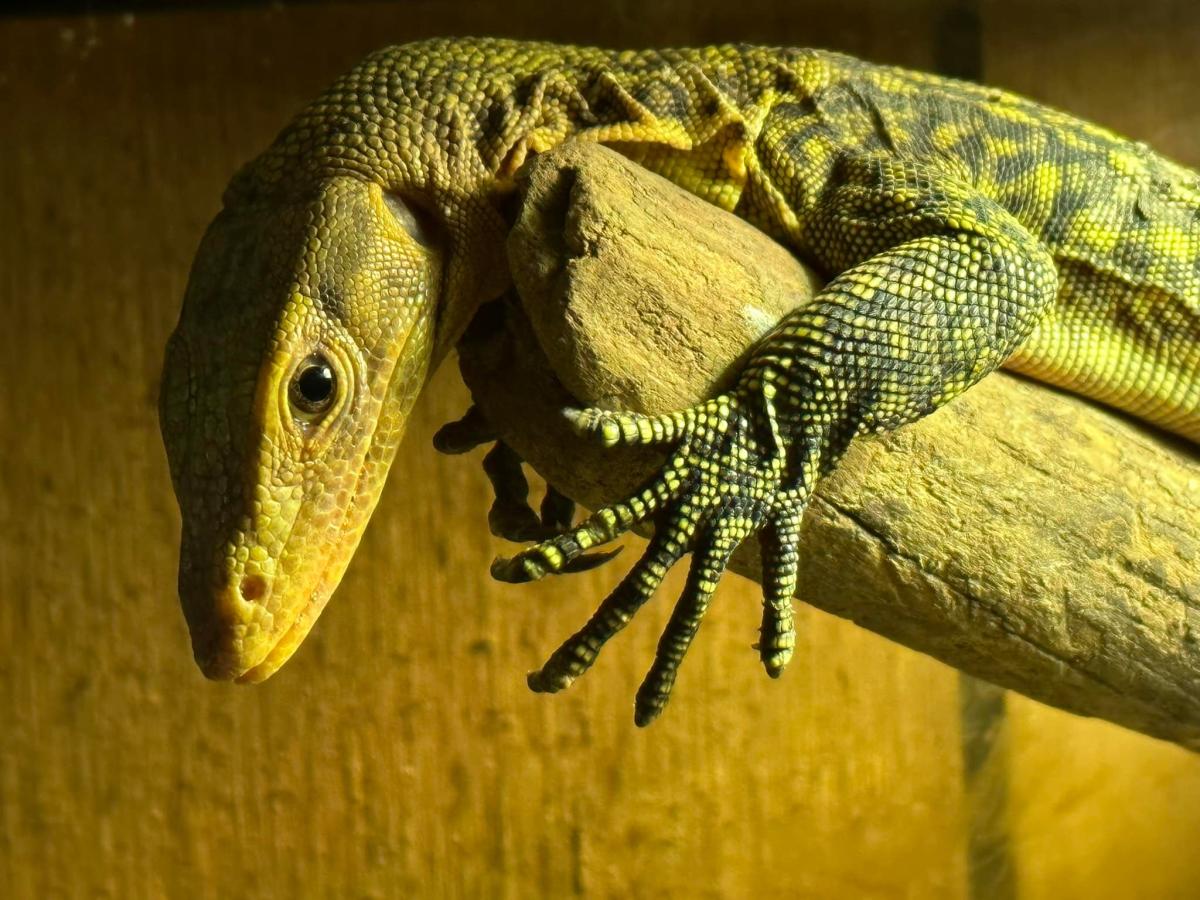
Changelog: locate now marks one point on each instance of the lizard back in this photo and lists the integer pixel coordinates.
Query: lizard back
(761, 132)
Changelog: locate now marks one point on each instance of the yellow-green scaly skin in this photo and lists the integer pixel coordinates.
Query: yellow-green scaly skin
(961, 228)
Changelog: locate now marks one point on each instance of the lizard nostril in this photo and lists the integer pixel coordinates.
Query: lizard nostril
(254, 588)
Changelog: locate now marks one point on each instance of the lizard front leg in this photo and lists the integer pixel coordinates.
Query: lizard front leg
(938, 285)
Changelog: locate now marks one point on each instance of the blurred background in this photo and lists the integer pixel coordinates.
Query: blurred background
(399, 754)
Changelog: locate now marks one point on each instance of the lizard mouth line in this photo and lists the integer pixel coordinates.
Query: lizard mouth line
(267, 666)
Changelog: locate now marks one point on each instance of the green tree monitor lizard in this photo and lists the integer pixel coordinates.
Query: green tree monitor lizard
(960, 228)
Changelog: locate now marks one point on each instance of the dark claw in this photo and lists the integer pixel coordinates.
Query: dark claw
(544, 681)
(646, 711)
(515, 569)
(590, 560)
(773, 671)
(521, 568)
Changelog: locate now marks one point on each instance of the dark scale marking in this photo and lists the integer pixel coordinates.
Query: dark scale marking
(668, 99)
(881, 136)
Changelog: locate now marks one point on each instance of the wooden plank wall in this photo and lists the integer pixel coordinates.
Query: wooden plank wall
(399, 754)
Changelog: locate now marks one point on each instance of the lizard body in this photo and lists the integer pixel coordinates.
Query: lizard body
(962, 228)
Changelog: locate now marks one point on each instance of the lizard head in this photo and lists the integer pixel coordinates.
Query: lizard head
(305, 337)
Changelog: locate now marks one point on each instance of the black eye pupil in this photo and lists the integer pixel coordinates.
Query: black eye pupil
(313, 386)
(316, 383)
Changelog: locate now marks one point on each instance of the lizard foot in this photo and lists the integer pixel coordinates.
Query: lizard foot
(724, 481)
(511, 517)
(465, 434)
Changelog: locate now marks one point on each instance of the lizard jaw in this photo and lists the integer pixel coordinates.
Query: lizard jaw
(289, 640)
(260, 647)
(246, 638)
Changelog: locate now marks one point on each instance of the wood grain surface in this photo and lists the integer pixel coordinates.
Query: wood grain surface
(399, 754)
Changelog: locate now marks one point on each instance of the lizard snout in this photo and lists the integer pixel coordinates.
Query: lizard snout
(236, 635)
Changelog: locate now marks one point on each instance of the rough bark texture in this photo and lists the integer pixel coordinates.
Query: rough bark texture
(1021, 534)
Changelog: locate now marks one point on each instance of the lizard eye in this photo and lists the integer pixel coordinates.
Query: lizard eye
(313, 386)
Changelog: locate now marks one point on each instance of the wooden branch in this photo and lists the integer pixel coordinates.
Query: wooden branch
(1023, 535)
